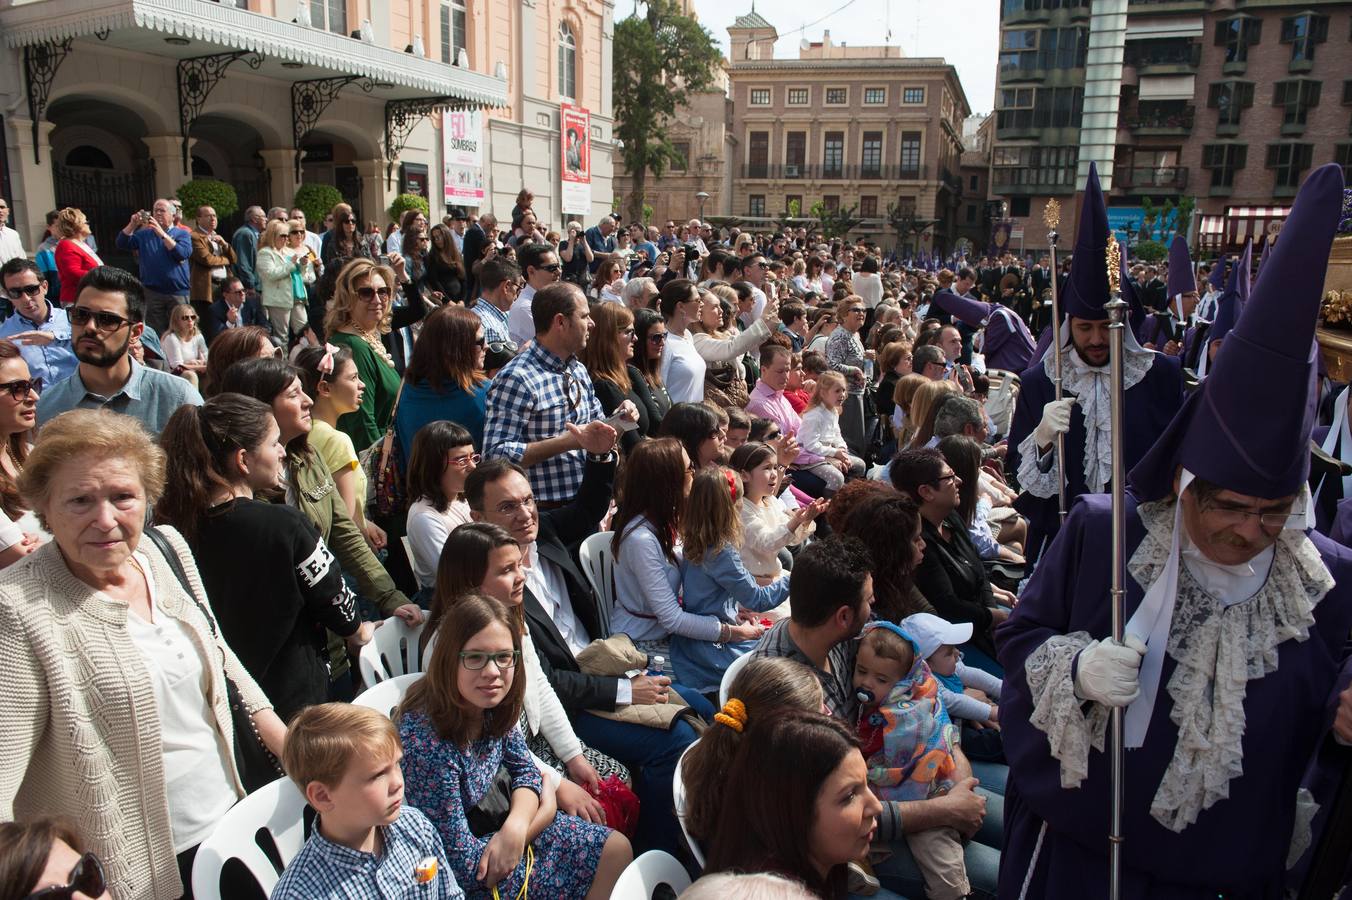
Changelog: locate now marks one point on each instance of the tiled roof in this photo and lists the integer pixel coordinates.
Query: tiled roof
(752, 19)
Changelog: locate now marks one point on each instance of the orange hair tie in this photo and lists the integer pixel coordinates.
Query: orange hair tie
(732, 715)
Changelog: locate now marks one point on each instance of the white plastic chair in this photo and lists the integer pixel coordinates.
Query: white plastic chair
(598, 564)
(408, 551)
(275, 813)
(678, 803)
(642, 876)
(728, 675)
(392, 651)
(387, 695)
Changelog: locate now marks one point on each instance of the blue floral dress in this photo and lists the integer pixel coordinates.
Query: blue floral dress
(443, 781)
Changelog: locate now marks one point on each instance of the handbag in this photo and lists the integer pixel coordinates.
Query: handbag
(488, 815)
(383, 464)
(257, 766)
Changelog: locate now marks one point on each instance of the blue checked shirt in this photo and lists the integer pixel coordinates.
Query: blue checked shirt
(494, 319)
(529, 401)
(324, 870)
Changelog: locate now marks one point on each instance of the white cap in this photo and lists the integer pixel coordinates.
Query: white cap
(931, 632)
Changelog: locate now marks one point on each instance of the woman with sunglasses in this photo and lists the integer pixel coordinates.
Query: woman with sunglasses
(445, 377)
(358, 314)
(343, 240)
(607, 356)
(45, 860)
(20, 533)
(650, 338)
(185, 350)
(282, 276)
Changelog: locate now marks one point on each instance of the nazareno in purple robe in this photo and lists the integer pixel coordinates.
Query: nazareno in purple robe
(1238, 846)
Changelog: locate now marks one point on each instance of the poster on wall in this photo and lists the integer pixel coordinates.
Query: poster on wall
(575, 166)
(462, 156)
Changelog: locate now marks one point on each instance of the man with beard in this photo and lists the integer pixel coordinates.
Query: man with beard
(107, 376)
(1154, 391)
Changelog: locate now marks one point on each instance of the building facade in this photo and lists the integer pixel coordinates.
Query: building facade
(1226, 102)
(861, 127)
(115, 102)
(978, 212)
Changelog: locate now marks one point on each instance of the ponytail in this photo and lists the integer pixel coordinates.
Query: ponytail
(201, 439)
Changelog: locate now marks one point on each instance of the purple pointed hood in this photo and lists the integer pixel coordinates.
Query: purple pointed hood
(1087, 287)
(1262, 258)
(1217, 277)
(972, 313)
(1232, 299)
(1181, 277)
(1270, 352)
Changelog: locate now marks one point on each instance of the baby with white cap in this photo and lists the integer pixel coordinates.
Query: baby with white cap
(937, 641)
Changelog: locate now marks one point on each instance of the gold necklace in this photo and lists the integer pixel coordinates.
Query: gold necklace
(372, 339)
(14, 460)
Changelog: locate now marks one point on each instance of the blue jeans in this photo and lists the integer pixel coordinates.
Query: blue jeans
(992, 776)
(651, 755)
(899, 872)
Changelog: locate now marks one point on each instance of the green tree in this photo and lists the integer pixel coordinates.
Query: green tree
(835, 222)
(660, 59)
(317, 200)
(404, 202)
(208, 192)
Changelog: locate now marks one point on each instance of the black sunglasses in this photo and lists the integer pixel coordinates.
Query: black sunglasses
(104, 321)
(31, 290)
(87, 878)
(19, 389)
(369, 293)
(553, 267)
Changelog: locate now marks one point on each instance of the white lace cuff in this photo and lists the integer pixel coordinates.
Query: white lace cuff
(1302, 832)
(1057, 711)
(1031, 478)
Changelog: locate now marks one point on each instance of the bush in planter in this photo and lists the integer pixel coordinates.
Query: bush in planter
(404, 202)
(1150, 251)
(208, 192)
(316, 201)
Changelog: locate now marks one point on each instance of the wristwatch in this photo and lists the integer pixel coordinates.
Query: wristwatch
(603, 457)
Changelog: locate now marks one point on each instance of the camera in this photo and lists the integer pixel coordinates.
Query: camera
(144, 216)
(691, 251)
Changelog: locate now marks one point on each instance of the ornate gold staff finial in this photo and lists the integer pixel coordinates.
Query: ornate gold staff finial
(1114, 261)
(1051, 214)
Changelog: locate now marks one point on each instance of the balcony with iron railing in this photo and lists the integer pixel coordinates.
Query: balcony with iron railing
(1158, 178)
(819, 172)
(1163, 118)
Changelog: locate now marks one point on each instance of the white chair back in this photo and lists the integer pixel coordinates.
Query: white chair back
(729, 674)
(642, 876)
(408, 551)
(274, 814)
(387, 695)
(392, 651)
(598, 564)
(678, 798)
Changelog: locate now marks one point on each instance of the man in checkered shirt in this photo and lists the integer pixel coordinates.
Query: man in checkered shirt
(542, 410)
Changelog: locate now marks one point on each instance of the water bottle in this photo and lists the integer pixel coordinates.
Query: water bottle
(655, 667)
(868, 371)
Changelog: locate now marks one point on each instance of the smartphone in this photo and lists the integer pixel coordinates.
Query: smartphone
(383, 259)
(619, 423)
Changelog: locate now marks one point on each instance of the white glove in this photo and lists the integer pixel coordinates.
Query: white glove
(1055, 420)
(1109, 672)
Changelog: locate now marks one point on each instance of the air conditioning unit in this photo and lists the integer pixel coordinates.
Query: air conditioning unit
(791, 172)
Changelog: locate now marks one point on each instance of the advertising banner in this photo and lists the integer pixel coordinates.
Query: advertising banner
(462, 146)
(575, 161)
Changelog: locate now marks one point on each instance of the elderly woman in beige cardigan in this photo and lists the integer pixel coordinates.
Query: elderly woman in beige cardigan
(113, 708)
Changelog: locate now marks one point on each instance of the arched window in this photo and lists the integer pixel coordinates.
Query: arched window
(201, 168)
(567, 62)
(89, 157)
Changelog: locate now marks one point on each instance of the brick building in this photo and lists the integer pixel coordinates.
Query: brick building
(848, 126)
(1223, 101)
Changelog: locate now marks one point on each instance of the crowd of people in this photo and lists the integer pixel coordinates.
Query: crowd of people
(850, 615)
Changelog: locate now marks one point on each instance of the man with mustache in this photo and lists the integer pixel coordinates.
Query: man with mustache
(1153, 381)
(1235, 662)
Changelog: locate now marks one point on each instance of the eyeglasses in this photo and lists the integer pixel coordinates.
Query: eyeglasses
(510, 507)
(103, 321)
(513, 285)
(1232, 515)
(369, 293)
(464, 462)
(31, 290)
(951, 476)
(294, 233)
(659, 338)
(19, 389)
(479, 341)
(475, 660)
(627, 332)
(87, 877)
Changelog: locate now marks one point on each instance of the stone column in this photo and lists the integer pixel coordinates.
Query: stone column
(375, 196)
(281, 166)
(31, 182)
(166, 151)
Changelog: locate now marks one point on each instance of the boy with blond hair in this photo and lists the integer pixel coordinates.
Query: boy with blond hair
(366, 843)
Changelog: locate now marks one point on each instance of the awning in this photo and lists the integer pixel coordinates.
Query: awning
(1243, 223)
(1167, 87)
(1146, 27)
(1211, 231)
(141, 26)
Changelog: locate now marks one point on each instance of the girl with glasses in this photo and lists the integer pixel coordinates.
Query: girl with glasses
(185, 350)
(442, 459)
(458, 726)
(607, 356)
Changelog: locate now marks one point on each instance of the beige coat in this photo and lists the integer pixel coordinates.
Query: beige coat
(79, 728)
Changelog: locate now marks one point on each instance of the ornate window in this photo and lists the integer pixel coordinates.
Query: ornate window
(567, 62)
(453, 15)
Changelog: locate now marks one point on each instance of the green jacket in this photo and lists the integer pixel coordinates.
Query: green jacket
(317, 496)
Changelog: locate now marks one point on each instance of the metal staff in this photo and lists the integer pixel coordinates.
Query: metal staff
(1117, 312)
(1051, 216)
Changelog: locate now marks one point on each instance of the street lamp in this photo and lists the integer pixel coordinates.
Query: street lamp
(702, 196)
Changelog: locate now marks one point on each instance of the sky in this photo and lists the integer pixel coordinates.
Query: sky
(964, 32)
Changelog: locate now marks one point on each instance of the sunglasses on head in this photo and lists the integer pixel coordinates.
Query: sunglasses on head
(104, 321)
(31, 290)
(87, 878)
(19, 389)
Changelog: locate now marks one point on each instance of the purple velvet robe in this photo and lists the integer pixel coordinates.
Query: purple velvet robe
(1008, 343)
(1238, 846)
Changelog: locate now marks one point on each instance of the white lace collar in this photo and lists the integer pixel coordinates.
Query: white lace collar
(1218, 650)
(1092, 385)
